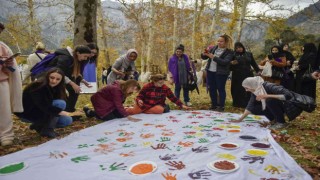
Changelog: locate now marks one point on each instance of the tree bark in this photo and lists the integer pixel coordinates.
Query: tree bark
(175, 24)
(194, 28)
(151, 35)
(243, 14)
(104, 33)
(85, 22)
(215, 21)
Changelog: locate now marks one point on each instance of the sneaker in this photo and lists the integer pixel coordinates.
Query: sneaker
(6, 142)
(278, 125)
(188, 104)
(213, 108)
(220, 109)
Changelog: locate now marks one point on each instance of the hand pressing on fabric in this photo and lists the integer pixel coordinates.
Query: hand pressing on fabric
(130, 118)
(186, 107)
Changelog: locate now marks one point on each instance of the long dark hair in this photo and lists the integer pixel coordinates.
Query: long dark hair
(94, 58)
(276, 55)
(60, 89)
(81, 49)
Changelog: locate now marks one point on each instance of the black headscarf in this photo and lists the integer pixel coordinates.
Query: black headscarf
(239, 44)
(277, 55)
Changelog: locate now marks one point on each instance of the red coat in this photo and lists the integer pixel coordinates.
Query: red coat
(108, 99)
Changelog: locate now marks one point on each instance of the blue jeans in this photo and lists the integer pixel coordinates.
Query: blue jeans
(177, 89)
(217, 84)
(63, 121)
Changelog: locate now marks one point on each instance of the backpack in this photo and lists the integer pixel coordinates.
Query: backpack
(43, 65)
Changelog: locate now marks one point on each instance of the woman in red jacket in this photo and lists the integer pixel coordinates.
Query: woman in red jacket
(107, 102)
(152, 97)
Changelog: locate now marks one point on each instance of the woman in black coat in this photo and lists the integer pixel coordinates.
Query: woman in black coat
(288, 80)
(241, 69)
(306, 86)
(44, 104)
(270, 100)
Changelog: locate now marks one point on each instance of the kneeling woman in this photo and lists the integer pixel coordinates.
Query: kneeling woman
(270, 100)
(44, 102)
(107, 102)
(152, 97)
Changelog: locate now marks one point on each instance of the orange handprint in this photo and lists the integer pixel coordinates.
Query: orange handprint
(169, 176)
(145, 136)
(186, 144)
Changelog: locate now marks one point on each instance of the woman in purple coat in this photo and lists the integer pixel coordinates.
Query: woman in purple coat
(107, 102)
(179, 68)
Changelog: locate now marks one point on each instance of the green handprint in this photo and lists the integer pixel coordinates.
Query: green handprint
(203, 140)
(114, 167)
(129, 145)
(84, 146)
(189, 137)
(103, 140)
(164, 139)
(204, 126)
(187, 126)
(80, 158)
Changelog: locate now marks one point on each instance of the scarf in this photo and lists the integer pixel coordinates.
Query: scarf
(256, 84)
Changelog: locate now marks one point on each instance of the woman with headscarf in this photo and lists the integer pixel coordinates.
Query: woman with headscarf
(123, 66)
(241, 69)
(269, 99)
(307, 61)
(288, 81)
(278, 61)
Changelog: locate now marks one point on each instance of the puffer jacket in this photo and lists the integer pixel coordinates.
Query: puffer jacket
(290, 109)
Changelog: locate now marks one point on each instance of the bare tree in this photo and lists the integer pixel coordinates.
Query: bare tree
(104, 32)
(151, 35)
(243, 14)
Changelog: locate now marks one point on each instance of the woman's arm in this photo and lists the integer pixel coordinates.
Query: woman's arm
(283, 62)
(244, 115)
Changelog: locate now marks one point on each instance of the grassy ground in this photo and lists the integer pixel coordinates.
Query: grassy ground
(301, 139)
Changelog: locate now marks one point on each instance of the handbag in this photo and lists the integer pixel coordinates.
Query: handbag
(304, 102)
(267, 70)
(307, 75)
(277, 72)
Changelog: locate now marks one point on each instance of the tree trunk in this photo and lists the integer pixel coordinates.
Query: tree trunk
(151, 35)
(32, 25)
(104, 33)
(232, 24)
(85, 22)
(243, 14)
(175, 24)
(194, 28)
(215, 21)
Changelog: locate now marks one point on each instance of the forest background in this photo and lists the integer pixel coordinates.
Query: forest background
(155, 28)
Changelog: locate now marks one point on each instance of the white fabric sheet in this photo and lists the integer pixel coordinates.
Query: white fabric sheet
(107, 150)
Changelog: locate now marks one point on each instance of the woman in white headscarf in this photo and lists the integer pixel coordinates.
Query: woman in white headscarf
(270, 100)
(122, 66)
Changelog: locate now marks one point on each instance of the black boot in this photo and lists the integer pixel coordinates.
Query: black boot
(48, 129)
(36, 127)
(89, 113)
(166, 108)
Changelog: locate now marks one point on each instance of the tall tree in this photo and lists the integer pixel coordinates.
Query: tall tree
(243, 14)
(175, 24)
(102, 22)
(194, 28)
(85, 22)
(151, 35)
(215, 21)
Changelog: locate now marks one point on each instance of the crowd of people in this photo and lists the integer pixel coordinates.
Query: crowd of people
(52, 95)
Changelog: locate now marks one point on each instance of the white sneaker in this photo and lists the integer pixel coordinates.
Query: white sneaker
(188, 104)
(6, 142)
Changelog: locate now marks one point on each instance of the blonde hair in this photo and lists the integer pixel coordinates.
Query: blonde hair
(157, 77)
(228, 40)
(40, 46)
